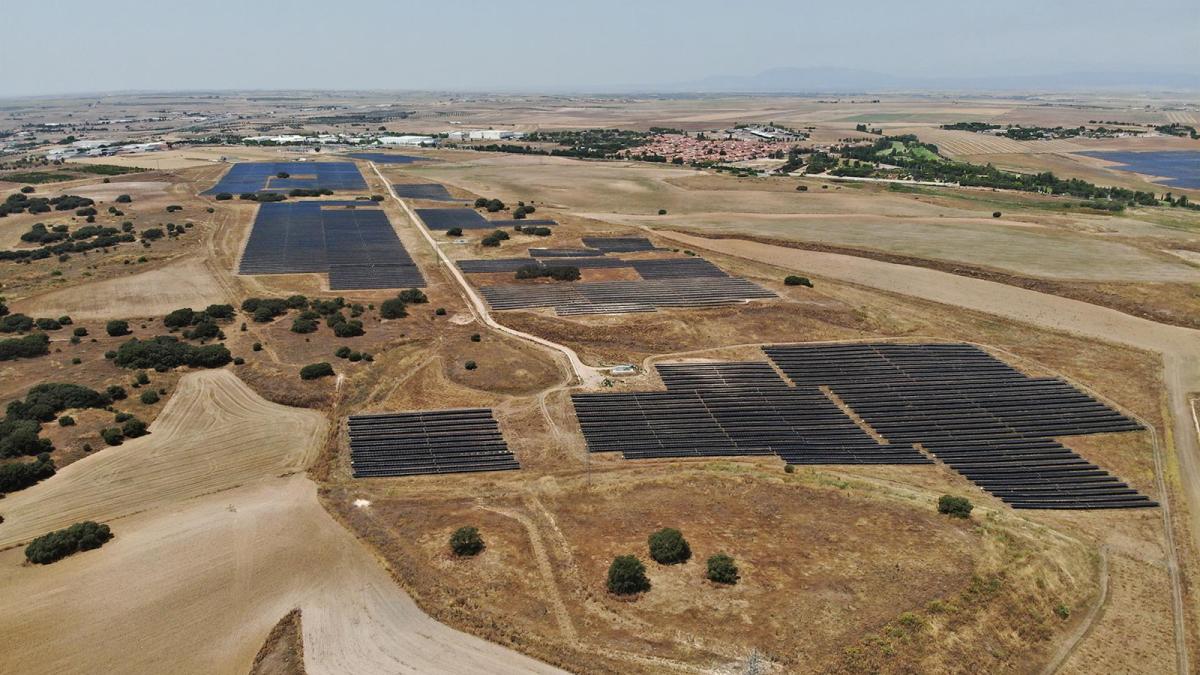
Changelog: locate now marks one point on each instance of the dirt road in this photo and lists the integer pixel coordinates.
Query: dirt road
(1179, 347)
(216, 539)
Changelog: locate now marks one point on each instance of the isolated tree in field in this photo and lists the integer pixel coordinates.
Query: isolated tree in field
(117, 328)
(793, 280)
(668, 547)
(454, 232)
(627, 575)
(466, 541)
(393, 309)
(959, 507)
(315, 370)
(722, 569)
(996, 214)
(149, 397)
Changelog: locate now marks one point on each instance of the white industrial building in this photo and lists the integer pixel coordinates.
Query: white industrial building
(407, 140)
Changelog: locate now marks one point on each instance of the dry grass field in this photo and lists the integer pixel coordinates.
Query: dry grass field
(243, 543)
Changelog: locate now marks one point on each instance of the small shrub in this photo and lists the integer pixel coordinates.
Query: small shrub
(470, 365)
(393, 309)
(342, 352)
(668, 547)
(111, 435)
(149, 397)
(116, 392)
(959, 507)
(476, 337)
(316, 370)
(793, 280)
(133, 428)
(80, 331)
(627, 576)
(789, 468)
(722, 569)
(466, 541)
(454, 232)
(256, 347)
(996, 214)
(1062, 611)
(237, 361)
(66, 421)
(440, 311)
(662, 212)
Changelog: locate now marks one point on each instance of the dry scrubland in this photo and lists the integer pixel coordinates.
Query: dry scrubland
(219, 534)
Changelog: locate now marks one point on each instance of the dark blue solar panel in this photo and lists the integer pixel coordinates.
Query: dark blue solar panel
(430, 191)
(386, 157)
(444, 219)
(358, 244)
(262, 177)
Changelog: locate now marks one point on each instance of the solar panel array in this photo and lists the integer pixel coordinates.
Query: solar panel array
(730, 409)
(431, 191)
(445, 219)
(263, 177)
(356, 246)
(976, 413)
(608, 297)
(619, 244)
(564, 252)
(427, 442)
(677, 268)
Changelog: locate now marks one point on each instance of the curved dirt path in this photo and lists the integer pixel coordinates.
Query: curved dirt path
(217, 536)
(584, 373)
(1179, 347)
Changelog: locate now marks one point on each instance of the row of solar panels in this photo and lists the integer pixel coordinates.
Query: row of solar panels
(427, 442)
(357, 247)
(265, 177)
(623, 296)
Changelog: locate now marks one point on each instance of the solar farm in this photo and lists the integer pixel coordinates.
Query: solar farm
(665, 282)
(445, 219)
(960, 405)
(428, 442)
(353, 242)
(265, 177)
(434, 192)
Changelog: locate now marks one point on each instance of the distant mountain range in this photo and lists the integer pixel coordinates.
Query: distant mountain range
(845, 80)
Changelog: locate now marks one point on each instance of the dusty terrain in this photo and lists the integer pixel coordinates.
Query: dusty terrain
(239, 509)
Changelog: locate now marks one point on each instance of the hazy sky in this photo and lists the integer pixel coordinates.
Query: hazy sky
(57, 46)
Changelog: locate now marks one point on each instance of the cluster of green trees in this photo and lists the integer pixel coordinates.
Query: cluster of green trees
(21, 202)
(923, 166)
(21, 427)
(309, 192)
(556, 272)
(523, 210)
(200, 325)
(1176, 129)
(627, 574)
(491, 205)
(397, 307)
(59, 544)
(537, 230)
(345, 352)
(976, 127)
(27, 347)
(57, 241)
(20, 475)
(262, 196)
(494, 238)
(165, 352)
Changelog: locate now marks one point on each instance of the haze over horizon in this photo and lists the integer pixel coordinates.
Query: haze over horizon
(538, 45)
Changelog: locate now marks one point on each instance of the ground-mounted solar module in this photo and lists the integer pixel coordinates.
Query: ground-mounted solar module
(352, 241)
(980, 416)
(676, 268)
(445, 219)
(434, 192)
(619, 244)
(427, 442)
(246, 177)
(612, 297)
(386, 157)
(564, 252)
(731, 409)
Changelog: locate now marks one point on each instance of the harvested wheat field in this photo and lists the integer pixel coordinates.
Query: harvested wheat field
(214, 542)
(180, 283)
